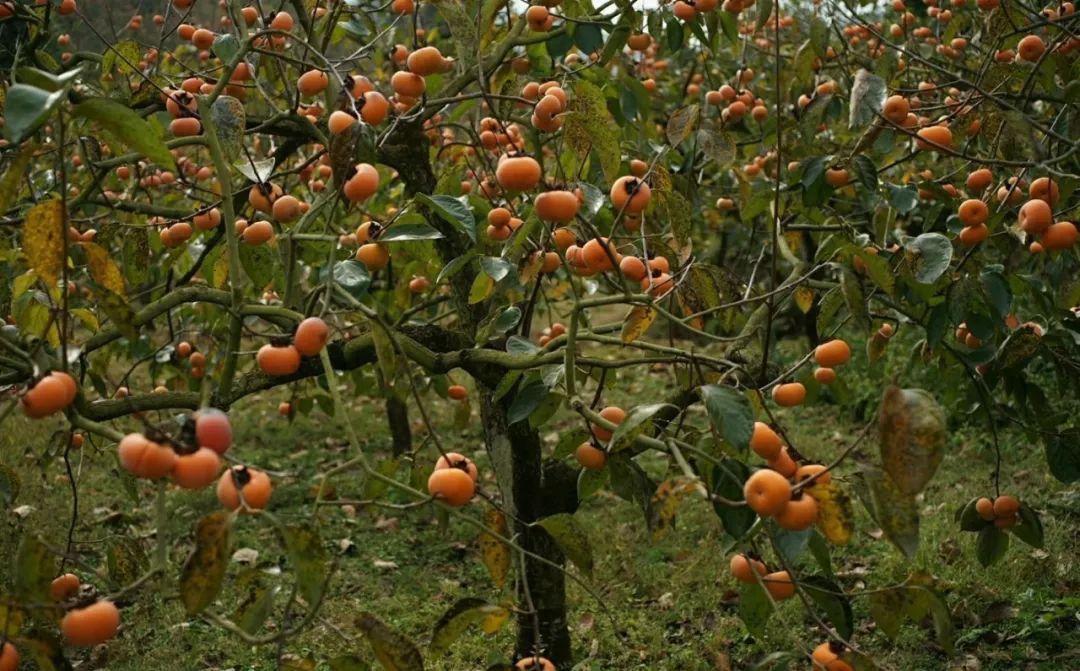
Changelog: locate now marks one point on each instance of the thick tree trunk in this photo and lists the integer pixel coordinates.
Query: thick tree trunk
(515, 451)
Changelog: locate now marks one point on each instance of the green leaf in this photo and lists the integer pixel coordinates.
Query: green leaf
(571, 539)
(353, 277)
(261, 264)
(903, 198)
(730, 414)
(1062, 455)
(991, 545)
(9, 484)
(1029, 529)
(453, 211)
(931, 254)
(394, 651)
(911, 427)
(225, 47)
(128, 127)
(204, 570)
(257, 601)
(497, 268)
(526, 400)
(895, 511)
(829, 597)
(587, 37)
(26, 107)
(888, 608)
(728, 478)
(636, 422)
(481, 289)
(34, 570)
(454, 267)
(459, 618)
(308, 558)
(754, 608)
(409, 232)
(968, 517)
(589, 482)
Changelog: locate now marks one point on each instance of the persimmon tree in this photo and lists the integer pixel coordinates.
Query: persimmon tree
(516, 206)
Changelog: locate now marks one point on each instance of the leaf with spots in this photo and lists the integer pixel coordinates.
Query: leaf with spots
(911, 429)
(588, 127)
(204, 570)
(103, 269)
(666, 501)
(571, 539)
(836, 519)
(394, 650)
(308, 557)
(43, 239)
(460, 617)
(494, 552)
(637, 322)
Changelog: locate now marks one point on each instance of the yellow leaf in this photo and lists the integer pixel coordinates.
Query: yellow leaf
(804, 298)
(103, 269)
(666, 502)
(43, 239)
(494, 620)
(637, 322)
(835, 516)
(13, 176)
(495, 554)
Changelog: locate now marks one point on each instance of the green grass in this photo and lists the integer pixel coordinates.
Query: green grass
(668, 604)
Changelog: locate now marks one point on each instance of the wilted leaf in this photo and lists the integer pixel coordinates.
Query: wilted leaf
(836, 519)
(867, 98)
(571, 539)
(14, 175)
(895, 511)
(256, 602)
(200, 580)
(43, 239)
(459, 617)
(229, 119)
(494, 552)
(308, 557)
(393, 650)
(637, 322)
(682, 123)
(103, 269)
(665, 504)
(588, 127)
(911, 429)
(930, 254)
(34, 569)
(804, 298)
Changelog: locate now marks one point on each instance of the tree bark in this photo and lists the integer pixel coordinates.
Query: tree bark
(397, 417)
(515, 450)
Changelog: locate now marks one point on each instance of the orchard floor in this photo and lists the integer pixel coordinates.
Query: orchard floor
(667, 605)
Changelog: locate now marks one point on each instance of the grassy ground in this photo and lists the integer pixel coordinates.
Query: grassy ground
(665, 605)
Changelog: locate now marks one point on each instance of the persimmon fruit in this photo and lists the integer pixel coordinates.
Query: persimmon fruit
(252, 484)
(767, 492)
(91, 625)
